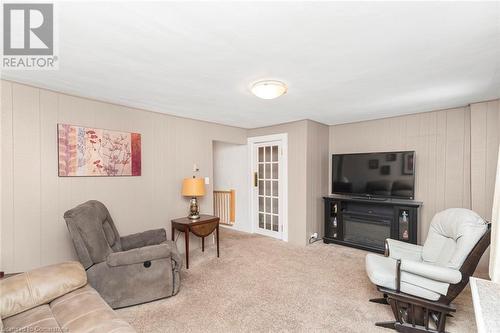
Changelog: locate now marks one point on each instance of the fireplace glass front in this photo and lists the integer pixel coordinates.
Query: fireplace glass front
(366, 231)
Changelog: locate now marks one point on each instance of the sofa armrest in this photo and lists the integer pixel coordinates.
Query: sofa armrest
(141, 239)
(139, 255)
(403, 250)
(27, 290)
(430, 271)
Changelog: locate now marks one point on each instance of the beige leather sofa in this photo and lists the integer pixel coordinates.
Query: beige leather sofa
(56, 298)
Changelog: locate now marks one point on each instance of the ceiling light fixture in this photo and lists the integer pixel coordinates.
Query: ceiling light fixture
(269, 89)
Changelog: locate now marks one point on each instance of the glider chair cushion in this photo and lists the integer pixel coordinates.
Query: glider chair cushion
(452, 235)
(382, 272)
(428, 271)
(125, 270)
(402, 250)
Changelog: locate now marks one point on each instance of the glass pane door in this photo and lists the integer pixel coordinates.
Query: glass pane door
(268, 186)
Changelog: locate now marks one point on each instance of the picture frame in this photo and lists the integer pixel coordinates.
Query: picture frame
(373, 164)
(390, 157)
(408, 164)
(95, 152)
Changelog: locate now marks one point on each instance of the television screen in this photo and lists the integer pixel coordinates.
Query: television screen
(390, 174)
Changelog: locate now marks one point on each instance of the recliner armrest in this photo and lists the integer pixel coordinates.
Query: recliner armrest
(430, 271)
(139, 255)
(141, 239)
(403, 250)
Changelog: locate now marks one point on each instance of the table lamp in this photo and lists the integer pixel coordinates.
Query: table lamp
(193, 187)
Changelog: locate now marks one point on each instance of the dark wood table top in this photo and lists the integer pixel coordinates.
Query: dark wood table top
(204, 218)
(201, 227)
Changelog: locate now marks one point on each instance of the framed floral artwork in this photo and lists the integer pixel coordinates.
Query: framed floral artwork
(86, 151)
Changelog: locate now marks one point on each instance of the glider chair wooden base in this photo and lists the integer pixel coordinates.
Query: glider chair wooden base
(380, 300)
(425, 307)
(415, 314)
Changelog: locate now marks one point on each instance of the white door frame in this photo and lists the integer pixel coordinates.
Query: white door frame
(283, 137)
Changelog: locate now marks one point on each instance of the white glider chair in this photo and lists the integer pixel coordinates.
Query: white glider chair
(419, 282)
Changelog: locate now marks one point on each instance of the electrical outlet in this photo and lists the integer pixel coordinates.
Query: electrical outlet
(207, 181)
(314, 236)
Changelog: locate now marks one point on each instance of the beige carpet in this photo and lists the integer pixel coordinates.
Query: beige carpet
(262, 284)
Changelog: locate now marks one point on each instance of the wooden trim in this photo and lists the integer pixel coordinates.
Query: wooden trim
(204, 218)
(232, 209)
(225, 206)
(468, 267)
(8, 275)
(398, 275)
(417, 312)
(407, 298)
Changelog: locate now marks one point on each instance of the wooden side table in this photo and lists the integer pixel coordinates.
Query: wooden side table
(201, 227)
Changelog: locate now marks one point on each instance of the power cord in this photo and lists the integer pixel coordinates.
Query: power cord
(313, 239)
(176, 237)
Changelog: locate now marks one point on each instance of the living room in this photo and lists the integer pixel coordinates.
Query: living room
(250, 166)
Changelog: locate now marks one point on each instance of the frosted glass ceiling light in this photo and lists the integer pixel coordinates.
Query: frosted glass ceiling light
(269, 89)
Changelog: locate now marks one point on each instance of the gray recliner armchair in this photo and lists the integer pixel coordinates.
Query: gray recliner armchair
(419, 282)
(125, 270)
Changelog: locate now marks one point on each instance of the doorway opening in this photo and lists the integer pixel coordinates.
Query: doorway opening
(230, 184)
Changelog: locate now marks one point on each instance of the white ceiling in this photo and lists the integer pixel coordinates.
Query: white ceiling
(343, 62)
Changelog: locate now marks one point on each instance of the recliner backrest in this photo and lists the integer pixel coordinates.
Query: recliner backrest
(93, 232)
(452, 235)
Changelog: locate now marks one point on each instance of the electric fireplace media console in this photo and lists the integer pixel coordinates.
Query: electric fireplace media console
(365, 223)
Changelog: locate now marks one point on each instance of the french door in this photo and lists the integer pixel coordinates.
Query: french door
(268, 212)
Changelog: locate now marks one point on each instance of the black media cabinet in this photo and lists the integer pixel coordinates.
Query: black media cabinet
(365, 223)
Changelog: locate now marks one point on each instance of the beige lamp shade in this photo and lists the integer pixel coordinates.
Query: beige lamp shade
(193, 187)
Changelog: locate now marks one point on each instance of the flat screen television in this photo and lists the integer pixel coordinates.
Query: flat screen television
(386, 175)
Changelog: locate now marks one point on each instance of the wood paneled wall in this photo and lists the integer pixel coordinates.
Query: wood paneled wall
(317, 176)
(307, 175)
(441, 140)
(485, 129)
(456, 151)
(34, 198)
(297, 178)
